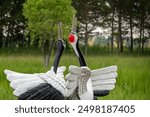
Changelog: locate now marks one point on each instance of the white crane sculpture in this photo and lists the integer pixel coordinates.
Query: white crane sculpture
(41, 86)
(83, 83)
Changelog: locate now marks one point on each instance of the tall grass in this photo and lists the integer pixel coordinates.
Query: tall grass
(133, 72)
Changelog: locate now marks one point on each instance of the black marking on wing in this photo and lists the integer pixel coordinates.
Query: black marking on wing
(101, 93)
(42, 92)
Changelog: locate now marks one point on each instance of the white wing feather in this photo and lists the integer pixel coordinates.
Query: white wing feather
(71, 83)
(104, 78)
(22, 82)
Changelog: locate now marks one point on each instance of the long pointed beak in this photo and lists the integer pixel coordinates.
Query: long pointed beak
(74, 24)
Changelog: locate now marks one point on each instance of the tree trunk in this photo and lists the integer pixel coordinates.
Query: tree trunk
(112, 31)
(50, 50)
(141, 42)
(47, 48)
(1, 31)
(143, 39)
(143, 45)
(1, 37)
(1, 42)
(120, 32)
(142, 21)
(131, 34)
(118, 44)
(140, 39)
(141, 30)
(86, 40)
(86, 46)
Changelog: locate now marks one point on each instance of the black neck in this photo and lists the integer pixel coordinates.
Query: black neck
(58, 54)
(80, 57)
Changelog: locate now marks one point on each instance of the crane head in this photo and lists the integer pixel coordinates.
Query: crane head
(73, 38)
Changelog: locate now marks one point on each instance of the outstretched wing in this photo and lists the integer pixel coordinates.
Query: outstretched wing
(103, 80)
(21, 82)
(35, 84)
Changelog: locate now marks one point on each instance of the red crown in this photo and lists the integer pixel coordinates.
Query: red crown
(71, 38)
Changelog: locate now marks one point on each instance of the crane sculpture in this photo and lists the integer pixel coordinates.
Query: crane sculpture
(86, 84)
(81, 83)
(41, 86)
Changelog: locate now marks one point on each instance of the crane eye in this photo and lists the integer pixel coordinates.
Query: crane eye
(71, 38)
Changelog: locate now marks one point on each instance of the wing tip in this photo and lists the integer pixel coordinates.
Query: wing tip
(6, 71)
(113, 67)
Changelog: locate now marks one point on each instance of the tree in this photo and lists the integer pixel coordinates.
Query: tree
(110, 21)
(121, 12)
(119, 8)
(43, 16)
(89, 14)
(12, 22)
(143, 8)
(112, 25)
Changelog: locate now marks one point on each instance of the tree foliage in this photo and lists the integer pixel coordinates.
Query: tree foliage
(43, 16)
(12, 23)
(42, 19)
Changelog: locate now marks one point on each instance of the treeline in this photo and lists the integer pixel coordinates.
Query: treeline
(122, 18)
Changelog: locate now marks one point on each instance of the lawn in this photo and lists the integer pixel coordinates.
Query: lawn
(132, 82)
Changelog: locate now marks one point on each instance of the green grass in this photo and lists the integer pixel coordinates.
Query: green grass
(133, 73)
